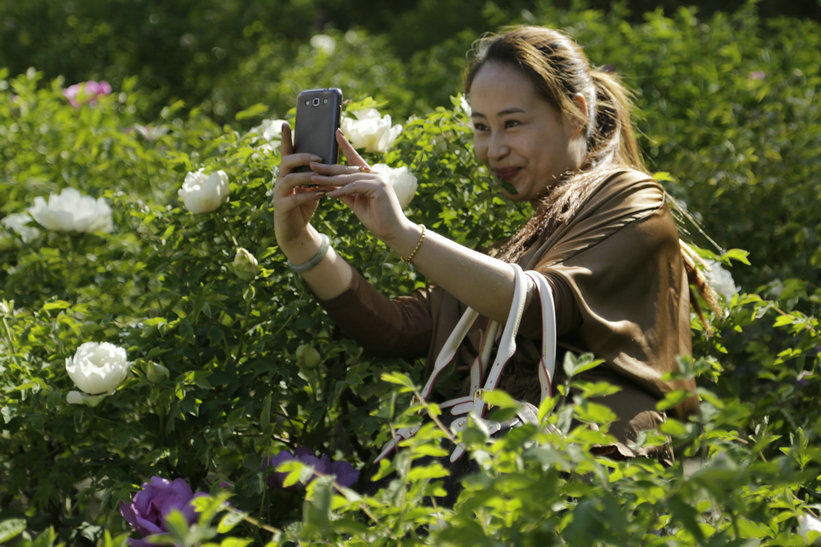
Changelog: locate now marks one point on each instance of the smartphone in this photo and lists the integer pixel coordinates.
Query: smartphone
(317, 119)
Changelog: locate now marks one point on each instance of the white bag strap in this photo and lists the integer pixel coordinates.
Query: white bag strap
(507, 345)
(507, 348)
(547, 366)
(448, 351)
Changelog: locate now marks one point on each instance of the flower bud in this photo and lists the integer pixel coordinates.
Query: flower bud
(74, 397)
(307, 356)
(156, 373)
(245, 265)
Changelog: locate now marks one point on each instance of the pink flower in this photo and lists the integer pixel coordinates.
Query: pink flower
(757, 75)
(86, 92)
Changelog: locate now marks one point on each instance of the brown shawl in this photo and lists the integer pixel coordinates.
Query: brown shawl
(621, 294)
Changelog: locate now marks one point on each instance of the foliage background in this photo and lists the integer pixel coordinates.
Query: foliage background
(727, 107)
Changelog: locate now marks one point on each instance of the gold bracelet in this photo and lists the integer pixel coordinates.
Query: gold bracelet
(407, 260)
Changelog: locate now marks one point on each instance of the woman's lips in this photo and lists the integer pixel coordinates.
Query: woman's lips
(506, 173)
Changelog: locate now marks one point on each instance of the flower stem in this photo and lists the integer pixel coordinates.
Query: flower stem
(248, 518)
(10, 339)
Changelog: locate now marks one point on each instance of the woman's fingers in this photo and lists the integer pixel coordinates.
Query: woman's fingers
(286, 147)
(349, 151)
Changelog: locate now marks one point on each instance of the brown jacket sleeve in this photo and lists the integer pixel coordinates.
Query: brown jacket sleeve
(399, 327)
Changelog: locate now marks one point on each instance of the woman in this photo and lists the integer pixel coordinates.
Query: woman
(557, 134)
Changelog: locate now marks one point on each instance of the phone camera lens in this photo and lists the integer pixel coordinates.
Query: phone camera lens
(316, 101)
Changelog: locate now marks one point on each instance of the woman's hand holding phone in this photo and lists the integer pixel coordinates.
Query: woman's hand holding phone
(295, 201)
(303, 179)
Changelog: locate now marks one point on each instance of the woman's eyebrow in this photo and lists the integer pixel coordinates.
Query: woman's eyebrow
(503, 112)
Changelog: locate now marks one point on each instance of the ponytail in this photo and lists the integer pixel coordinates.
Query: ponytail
(612, 139)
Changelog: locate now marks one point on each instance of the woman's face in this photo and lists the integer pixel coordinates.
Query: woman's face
(522, 138)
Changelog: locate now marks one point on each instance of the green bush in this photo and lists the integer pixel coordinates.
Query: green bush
(226, 370)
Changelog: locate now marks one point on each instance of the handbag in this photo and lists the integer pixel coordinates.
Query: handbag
(473, 403)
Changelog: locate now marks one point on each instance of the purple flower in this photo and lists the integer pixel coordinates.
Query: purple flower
(86, 92)
(803, 378)
(757, 75)
(158, 497)
(345, 473)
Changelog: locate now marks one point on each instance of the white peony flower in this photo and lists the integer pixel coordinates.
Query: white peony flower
(368, 130)
(18, 222)
(269, 130)
(97, 367)
(807, 524)
(70, 211)
(720, 280)
(324, 43)
(203, 193)
(403, 182)
(245, 265)
(268, 135)
(465, 105)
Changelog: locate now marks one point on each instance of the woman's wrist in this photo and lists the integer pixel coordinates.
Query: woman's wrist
(303, 249)
(408, 241)
(302, 267)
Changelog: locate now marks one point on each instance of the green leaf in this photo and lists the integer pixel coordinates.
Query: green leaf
(739, 255)
(576, 365)
(398, 378)
(46, 538)
(594, 413)
(10, 528)
(265, 415)
(673, 399)
(56, 305)
(252, 111)
(317, 506)
(235, 542)
(427, 472)
(499, 398)
(229, 520)
(784, 320)
(176, 524)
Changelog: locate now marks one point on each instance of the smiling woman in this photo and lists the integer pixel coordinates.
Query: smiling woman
(525, 141)
(558, 134)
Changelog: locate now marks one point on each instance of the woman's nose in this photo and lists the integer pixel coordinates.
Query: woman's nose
(497, 146)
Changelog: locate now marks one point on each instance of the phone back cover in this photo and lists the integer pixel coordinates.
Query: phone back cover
(316, 124)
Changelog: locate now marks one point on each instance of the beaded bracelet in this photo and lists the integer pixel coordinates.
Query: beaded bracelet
(314, 260)
(407, 260)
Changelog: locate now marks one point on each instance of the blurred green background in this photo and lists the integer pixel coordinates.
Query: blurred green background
(726, 91)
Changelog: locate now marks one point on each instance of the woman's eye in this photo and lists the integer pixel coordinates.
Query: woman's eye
(479, 127)
(511, 123)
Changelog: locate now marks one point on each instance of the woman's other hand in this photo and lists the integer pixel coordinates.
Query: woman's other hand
(367, 194)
